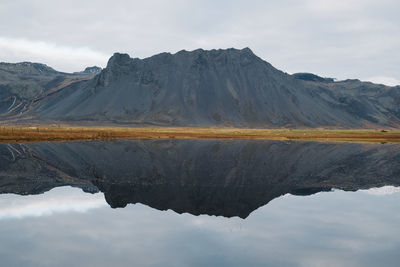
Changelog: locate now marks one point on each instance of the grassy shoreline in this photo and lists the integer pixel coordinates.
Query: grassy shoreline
(20, 134)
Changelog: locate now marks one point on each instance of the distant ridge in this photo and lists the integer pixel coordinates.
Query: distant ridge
(90, 70)
(311, 77)
(225, 87)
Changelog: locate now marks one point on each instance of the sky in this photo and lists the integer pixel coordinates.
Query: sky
(340, 39)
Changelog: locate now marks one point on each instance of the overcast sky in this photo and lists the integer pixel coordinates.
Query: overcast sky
(340, 39)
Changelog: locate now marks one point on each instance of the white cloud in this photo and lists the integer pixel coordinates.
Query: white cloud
(381, 191)
(331, 6)
(384, 80)
(56, 56)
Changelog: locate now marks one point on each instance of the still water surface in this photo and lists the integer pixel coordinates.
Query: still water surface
(199, 203)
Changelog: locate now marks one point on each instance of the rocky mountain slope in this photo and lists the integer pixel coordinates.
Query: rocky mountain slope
(215, 88)
(21, 84)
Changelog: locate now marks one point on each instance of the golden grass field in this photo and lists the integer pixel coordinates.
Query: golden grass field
(10, 134)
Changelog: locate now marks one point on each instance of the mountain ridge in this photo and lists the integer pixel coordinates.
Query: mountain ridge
(223, 88)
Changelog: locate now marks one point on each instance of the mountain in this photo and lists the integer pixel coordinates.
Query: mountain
(21, 84)
(228, 87)
(90, 70)
(311, 77)
(215, 177)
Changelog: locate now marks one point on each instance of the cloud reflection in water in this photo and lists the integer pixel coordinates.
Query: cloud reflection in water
(57, 200)
(326, 229)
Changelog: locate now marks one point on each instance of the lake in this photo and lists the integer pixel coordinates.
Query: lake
(199, 203)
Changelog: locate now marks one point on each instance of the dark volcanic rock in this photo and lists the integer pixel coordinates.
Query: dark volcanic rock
(311, 77)
(90, 70)
(219, 88)
(21, 84)
(208, 88)
(227, 178)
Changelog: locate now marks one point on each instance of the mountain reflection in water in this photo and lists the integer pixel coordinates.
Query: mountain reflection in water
(325, 229)
(215, 177)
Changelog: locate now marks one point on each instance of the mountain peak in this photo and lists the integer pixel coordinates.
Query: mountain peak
(247, 50)
(221, 57)
(119, 59)
(27, 67)
(311, 77)
(217, 52)
(92, 70)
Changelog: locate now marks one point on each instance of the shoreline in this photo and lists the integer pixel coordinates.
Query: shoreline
(23, 134)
